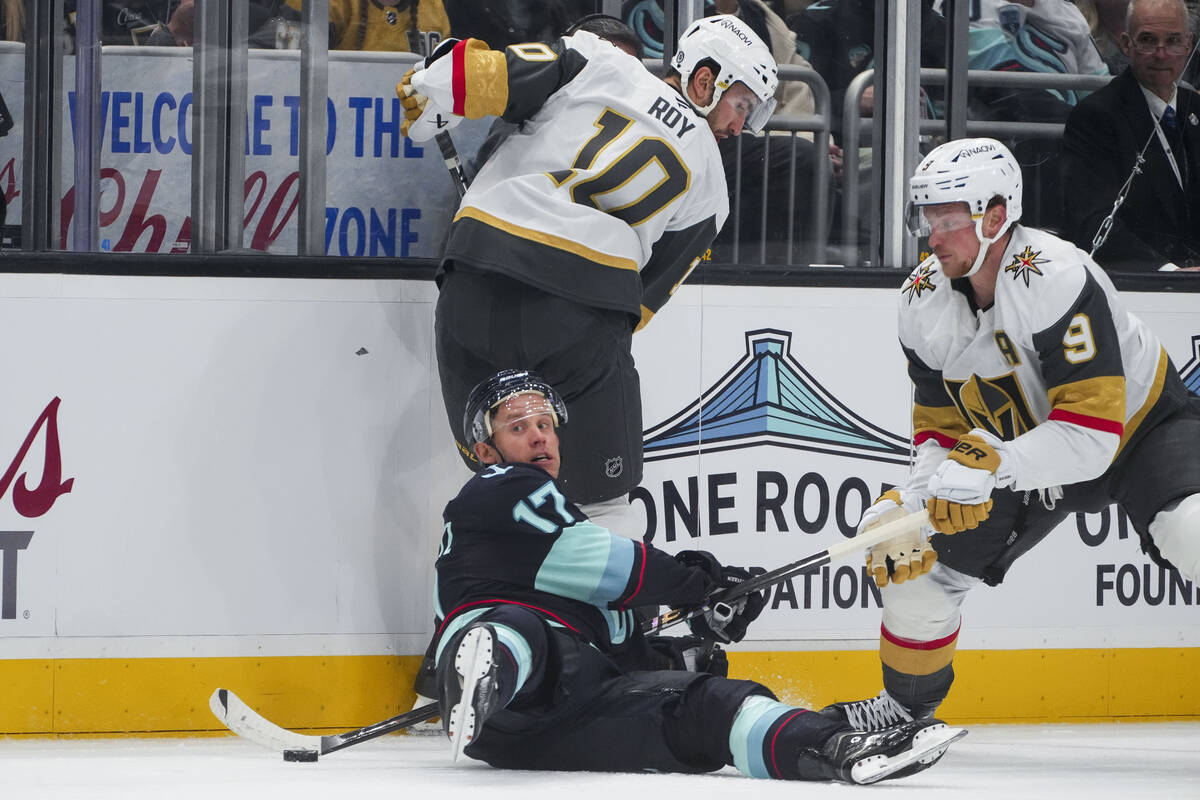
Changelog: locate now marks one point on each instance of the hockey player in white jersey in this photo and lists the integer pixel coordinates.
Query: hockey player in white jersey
(1036, 395)
(582, 224)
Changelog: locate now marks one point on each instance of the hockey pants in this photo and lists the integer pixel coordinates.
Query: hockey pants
(573, 709)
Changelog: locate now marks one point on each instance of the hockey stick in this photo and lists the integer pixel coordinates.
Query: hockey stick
(877, 535)
(449, 153)
(453, 163)
(249, 724)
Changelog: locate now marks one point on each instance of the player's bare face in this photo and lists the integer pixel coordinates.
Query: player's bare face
(523, 432)
(731, 111)
(952, 237)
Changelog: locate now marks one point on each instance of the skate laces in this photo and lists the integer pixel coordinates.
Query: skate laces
(876, 713)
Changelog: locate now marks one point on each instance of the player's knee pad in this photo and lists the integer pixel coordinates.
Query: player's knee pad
(1176, 531)
(618, 515)
(928, 607)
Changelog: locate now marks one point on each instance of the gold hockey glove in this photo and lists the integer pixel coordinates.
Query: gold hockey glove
(903, 557)
(961, 488)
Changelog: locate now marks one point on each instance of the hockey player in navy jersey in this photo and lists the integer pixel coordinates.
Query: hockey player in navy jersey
(584, 221)
(541, 663)
(1037, 395)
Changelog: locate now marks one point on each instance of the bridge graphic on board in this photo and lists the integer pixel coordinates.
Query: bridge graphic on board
(768, 397)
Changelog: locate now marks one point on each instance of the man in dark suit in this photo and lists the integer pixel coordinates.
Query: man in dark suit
(1145, 107)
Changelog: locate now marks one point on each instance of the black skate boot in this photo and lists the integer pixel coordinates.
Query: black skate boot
(472, 687)
(873, 714)
(426, 687)
(896, 752)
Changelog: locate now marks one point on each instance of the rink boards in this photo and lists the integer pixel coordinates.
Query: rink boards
(238, 482)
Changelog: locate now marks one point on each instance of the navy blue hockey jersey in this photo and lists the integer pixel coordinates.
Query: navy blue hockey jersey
(511, 536)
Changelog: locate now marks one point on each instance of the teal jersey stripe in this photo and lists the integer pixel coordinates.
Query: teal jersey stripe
(587, 563)
(515, 642)
(521, 651)
(455, 625)
(750, 726)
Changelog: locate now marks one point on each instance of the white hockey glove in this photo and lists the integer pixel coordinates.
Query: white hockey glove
(903, 557)
(961, 488)
(426, 97)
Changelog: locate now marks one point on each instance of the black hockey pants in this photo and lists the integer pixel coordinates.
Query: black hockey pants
(578, 711)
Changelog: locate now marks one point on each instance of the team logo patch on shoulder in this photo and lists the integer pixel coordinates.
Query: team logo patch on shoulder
(918, 282)
(1025, 264)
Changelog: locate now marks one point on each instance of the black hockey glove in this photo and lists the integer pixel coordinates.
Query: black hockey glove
(690, 654)
(724, 622)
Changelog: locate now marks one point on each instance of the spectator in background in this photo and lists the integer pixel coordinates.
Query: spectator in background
(1030, 36)
(179, 29)
(406, 26)
(838, 38)
(1143, 109)
(793, 98)
(1043, 36)
(504, 22)
(1106, 19)
(12, 20)
(172, 23)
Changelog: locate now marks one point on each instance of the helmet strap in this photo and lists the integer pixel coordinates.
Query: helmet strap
(985, 243)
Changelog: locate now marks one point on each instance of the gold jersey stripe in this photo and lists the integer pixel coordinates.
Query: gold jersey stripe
(914, 661)
(1160, 377)
(1102, 397)
(647, 314)
(939, 419)
(486, 78)
(547, 239)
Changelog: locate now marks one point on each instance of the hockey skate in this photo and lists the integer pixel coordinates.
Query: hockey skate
(899, 751)
(471, 687)
(873, 714)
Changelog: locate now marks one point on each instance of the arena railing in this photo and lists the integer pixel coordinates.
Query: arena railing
(855, 126)
(819, 124)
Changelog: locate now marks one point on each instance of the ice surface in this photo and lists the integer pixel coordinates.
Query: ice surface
(1128, 760)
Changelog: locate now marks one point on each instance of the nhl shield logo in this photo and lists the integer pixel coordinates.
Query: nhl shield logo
(614, 466)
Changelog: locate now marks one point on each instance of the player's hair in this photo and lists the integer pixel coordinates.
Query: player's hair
(610, 29)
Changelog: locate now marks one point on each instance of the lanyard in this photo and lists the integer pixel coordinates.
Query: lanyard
(1170, 153)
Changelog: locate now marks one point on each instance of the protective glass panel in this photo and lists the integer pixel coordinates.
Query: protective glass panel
(12, 105)
(272, 167)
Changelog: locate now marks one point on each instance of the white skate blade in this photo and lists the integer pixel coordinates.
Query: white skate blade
(472, 661)
(927, 746)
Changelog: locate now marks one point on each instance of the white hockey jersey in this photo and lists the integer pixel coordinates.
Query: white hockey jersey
(607, 194)
(1056, 365)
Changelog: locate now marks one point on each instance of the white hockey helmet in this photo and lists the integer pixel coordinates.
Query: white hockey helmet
(740, 56)
(971, 171)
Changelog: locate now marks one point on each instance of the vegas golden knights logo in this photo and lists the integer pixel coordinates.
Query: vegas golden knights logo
(995, 404)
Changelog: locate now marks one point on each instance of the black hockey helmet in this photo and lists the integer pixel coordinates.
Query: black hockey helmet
(487, 396)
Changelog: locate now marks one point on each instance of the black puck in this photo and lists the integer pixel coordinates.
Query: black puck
(300, 755)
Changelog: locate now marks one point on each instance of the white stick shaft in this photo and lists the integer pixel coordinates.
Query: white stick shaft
(879, 534)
